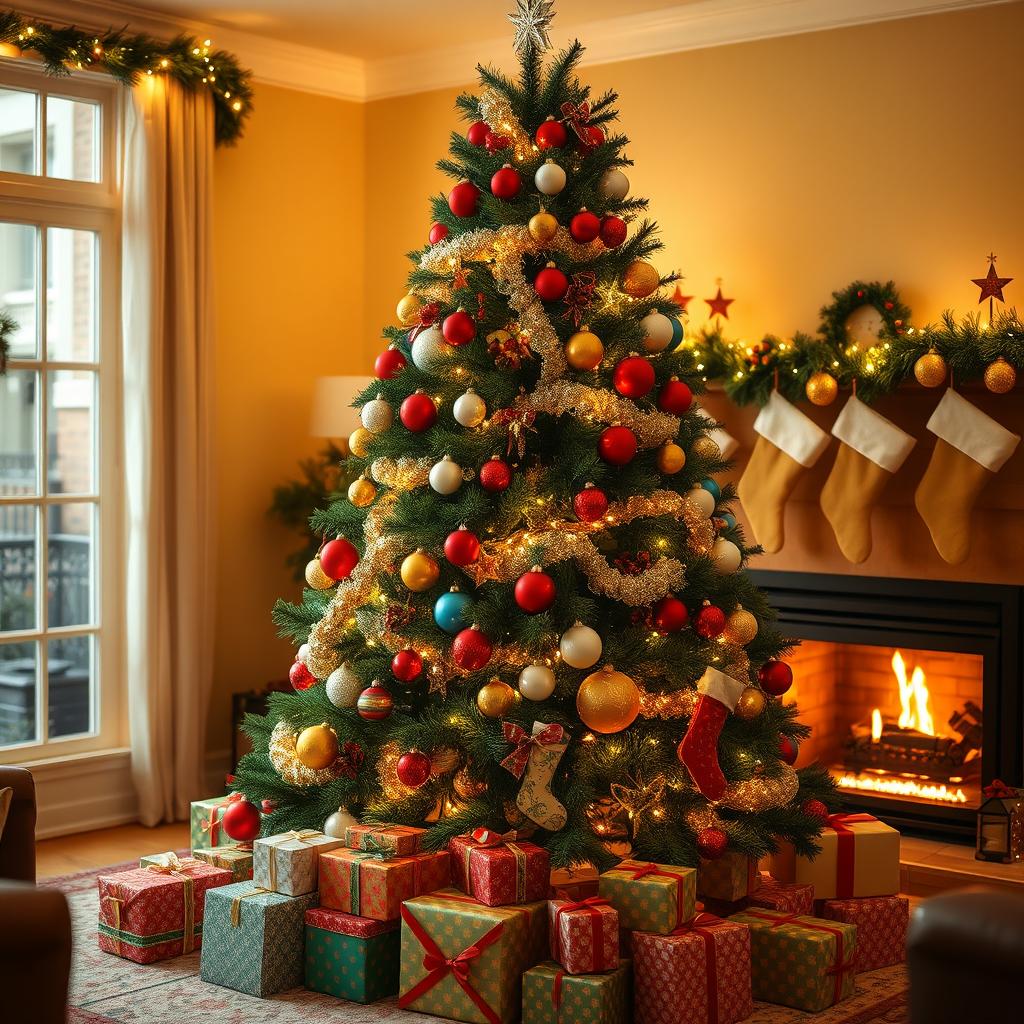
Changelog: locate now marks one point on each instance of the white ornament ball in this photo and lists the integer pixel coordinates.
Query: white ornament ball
(550, 178)
(726, 555)
(703, 499)
(657, 331)
(614, 185)
(469, 409)
(343, 687)
(303, 652)
(430, 351)
(536, 682)
(446, 476)
(377, 415)
(580, 646)
(338, 822)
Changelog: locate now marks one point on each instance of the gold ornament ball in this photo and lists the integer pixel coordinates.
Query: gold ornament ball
(317, 746)
(359, 441)
(822, 388)
(671, 458)
(750, 704)
(419, 571)
(496, 699)
(740, 626)
(640, 280)
(542, 227)
(1000, 376)
(408, 310)
(584, 350)
(706, 448)
(361, 492)
(316, 577)
(930, 369)
(608, 701)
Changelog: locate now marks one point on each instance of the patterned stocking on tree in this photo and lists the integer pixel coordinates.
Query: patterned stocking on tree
(537, 756)
(699, 747)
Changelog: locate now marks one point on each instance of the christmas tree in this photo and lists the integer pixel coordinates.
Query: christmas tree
(529, 610)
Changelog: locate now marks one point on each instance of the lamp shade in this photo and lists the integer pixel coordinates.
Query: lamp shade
(332, 413)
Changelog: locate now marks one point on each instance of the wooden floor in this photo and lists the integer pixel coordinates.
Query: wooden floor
(67, 855)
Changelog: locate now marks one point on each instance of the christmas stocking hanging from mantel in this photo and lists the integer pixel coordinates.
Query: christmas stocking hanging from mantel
(698, 749)
(871, 449)
(971, 448)
(788, 444)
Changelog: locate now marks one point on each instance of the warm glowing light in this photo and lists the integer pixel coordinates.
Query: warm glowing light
(914, 712)
(903, 787)
(876, 725)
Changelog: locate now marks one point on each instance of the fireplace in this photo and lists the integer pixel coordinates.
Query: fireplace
(912, 688)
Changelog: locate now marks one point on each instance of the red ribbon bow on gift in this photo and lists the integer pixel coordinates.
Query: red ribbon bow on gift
(701, 926)
(1000, 789)
(846, 850)
(524, 742)
(488, 837)
(578, 117)
(590, 906)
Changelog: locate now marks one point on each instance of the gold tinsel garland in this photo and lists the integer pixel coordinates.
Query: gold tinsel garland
(287, 764)
(402, 474)
(760, 793)
(496, 110)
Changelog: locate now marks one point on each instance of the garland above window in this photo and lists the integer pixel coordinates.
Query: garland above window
(128, 57)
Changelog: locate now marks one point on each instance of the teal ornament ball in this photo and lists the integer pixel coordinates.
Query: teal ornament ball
(712, 488)
(451, 611)
(728, 521)
(677, 334)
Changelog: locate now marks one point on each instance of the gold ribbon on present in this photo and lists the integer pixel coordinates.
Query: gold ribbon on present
(236, 908)
(302, 836)
(177, 868)
(488, 839)
(117, 902)
(170, 861)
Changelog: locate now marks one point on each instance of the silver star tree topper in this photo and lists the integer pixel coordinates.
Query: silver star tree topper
(532, 20)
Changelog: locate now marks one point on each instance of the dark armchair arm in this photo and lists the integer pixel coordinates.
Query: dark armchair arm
(18, 842)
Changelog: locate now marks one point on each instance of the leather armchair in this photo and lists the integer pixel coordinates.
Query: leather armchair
(965, 952)
(18, 839)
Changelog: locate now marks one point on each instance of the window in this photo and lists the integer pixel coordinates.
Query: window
(60, 673)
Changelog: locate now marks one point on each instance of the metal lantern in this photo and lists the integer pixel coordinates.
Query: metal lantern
(995, 821)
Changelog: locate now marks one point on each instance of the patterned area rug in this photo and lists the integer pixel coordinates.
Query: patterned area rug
(108, 990)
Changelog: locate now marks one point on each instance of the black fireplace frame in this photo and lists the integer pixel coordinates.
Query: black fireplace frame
(972, 618)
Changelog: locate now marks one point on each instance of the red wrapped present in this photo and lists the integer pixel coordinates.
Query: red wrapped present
(396, 840)
(375, 886)
(697, 974)
(792, 897)
(584, 935)
(155, 913)
(731, 877)
(497, 870)
(881, 928)
(574, 883)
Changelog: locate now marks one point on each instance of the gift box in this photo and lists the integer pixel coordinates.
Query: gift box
(395, 840)
(792, 897)
(351, 957)
(860, 856)
(584, 935)
(497, 871)
(374, 886)
(205, 821)
(287, 863)
(575, 883)
(168, 860)
(551, 996)
(650, 897)
(881, 928)
(235, 859)
(731, 877)
(465, 961)
(799, 961)
(154, 913)
(699, 973)
(254, 939)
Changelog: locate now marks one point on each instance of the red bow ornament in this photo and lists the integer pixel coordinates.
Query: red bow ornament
(524, 743)
(1000, 789)
(578, 116)
(428, 317)
(517, 422)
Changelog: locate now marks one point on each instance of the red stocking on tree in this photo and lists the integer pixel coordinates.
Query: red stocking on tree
(699, 747)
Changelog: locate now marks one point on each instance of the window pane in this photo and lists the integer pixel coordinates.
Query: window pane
(70, 294)
(70, 668)
(19, 545)
(69, 584)
(19, 412)
(18, 131)
(71, 398)
(18, 672)
(18, 260)
(72, 139)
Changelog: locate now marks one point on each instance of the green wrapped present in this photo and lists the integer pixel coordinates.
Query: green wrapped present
(650, 897)
(254, 939)
(350, 957)
(465, 961)
(235, 859)
(205, 822)
(804, 962)
(550, 996)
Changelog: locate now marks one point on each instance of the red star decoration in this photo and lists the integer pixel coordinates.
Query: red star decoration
(991, 284)
(719, 306)
(681, 300)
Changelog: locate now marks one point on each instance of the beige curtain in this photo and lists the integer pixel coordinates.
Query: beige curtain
(168, 366)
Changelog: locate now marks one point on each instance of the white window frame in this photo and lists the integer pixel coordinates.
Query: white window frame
(93, 206)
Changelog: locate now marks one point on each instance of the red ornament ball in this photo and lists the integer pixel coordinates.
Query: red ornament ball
(464, 199)
(592, 138)
(471, 649)
(551, 284)
(775, 677)
(506, 183)
(462, 547)
(675, 397)
(551, 135)
(390, 363)
(495, 143)
(338, 558)
(417, 413)
(787, 750)
(709, 622)
(613, 231)
(241, 821)
(495, 475)
(816, 809)
(375, 703)
(633, 377)
(669, 615)
(711, 842)
(617, 445)
(438, 233)
(590, 504)
(300, 677)
(585, 226)
(477, 133)
(413, 769)
(458, 328)
(535, 592)
(406, 665)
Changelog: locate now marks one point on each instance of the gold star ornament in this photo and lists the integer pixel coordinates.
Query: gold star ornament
(532, 21)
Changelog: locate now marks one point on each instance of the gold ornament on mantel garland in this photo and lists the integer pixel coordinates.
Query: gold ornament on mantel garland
(822, 388)
(1000, 377)
(930, 370)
